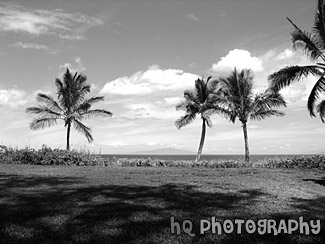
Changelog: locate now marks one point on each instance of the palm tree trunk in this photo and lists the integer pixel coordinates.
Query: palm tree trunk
(68, 136)
(202, 141)
(246, 142)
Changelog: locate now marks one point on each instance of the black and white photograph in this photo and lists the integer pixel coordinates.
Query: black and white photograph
(162, 121)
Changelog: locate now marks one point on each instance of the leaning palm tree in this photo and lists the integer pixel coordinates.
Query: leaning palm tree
(239, 101)
(313, 45)
(196, 102)
(72, 106)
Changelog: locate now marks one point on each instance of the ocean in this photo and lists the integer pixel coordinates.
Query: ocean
(203, 157)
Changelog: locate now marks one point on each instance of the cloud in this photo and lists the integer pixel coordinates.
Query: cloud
(240, 59)
(151, 143)
(118, 144)
(15, 18)
(78, 66)
(297, 93)
(34, 46)
(152, 110)
(264, 65)
(173, 100)
(193, 17)
(127, 86)
(29, 46)
(286, 54)
(152, 80)
(12, 98)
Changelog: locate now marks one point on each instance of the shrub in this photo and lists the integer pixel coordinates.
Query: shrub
(48, 156)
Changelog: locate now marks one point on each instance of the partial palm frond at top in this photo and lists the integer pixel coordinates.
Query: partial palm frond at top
(313, 45)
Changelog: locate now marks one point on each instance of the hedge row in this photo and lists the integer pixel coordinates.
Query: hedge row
(178, 163)
(48, 156)
(303, 162)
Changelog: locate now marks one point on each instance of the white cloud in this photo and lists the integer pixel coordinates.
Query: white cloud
(78, 66)
(297, 93)
(118, 144)
(152, 80)
(173, 100)
(240, 59)
(15, 18)
(286, 54)
(192, 17)
(12, 97)
(149, 110)
(152, 143)
(127, 86)
(35, 46)
(253, 127)
(29, 46)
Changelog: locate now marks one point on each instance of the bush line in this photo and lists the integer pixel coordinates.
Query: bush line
(48, 156)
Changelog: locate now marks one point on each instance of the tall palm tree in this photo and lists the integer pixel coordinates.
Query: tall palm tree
(239, 101)
(313, 45)
(72, 106)
(196, 102)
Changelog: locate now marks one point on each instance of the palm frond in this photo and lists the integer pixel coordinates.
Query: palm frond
(73, 116)
(321, 110)
(263, 114)
(306, 42)
(81, 94)
(72, 90)
(47, 99)
(86, 104)
(268, 99)
(208, 120)
(181, 105)
(80, 127)
(191, 96)
(219, 100)
(96, 113)
(229, 84)
(287, 75)
(218, 110)
(214, 87)
(185, 120)
(44, 111)
(319, 27)
(59, 85)
(43, 122)
(314, 94)
(200, 90)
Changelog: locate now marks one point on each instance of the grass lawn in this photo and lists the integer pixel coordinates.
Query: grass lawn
(70, 204)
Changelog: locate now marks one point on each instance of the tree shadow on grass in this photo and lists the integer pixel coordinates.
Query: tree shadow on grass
(67, 210)
(317, 181)
(307, 211)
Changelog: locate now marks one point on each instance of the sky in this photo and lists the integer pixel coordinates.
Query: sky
(141, 55)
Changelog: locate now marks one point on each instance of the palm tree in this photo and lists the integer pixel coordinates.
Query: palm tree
(72, 106)
(196, 102)
(313, 45)
(238, 101)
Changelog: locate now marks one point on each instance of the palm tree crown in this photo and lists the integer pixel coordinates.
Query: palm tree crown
(313, 45)
(72, 106)
(239, 101)
(196, 102)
